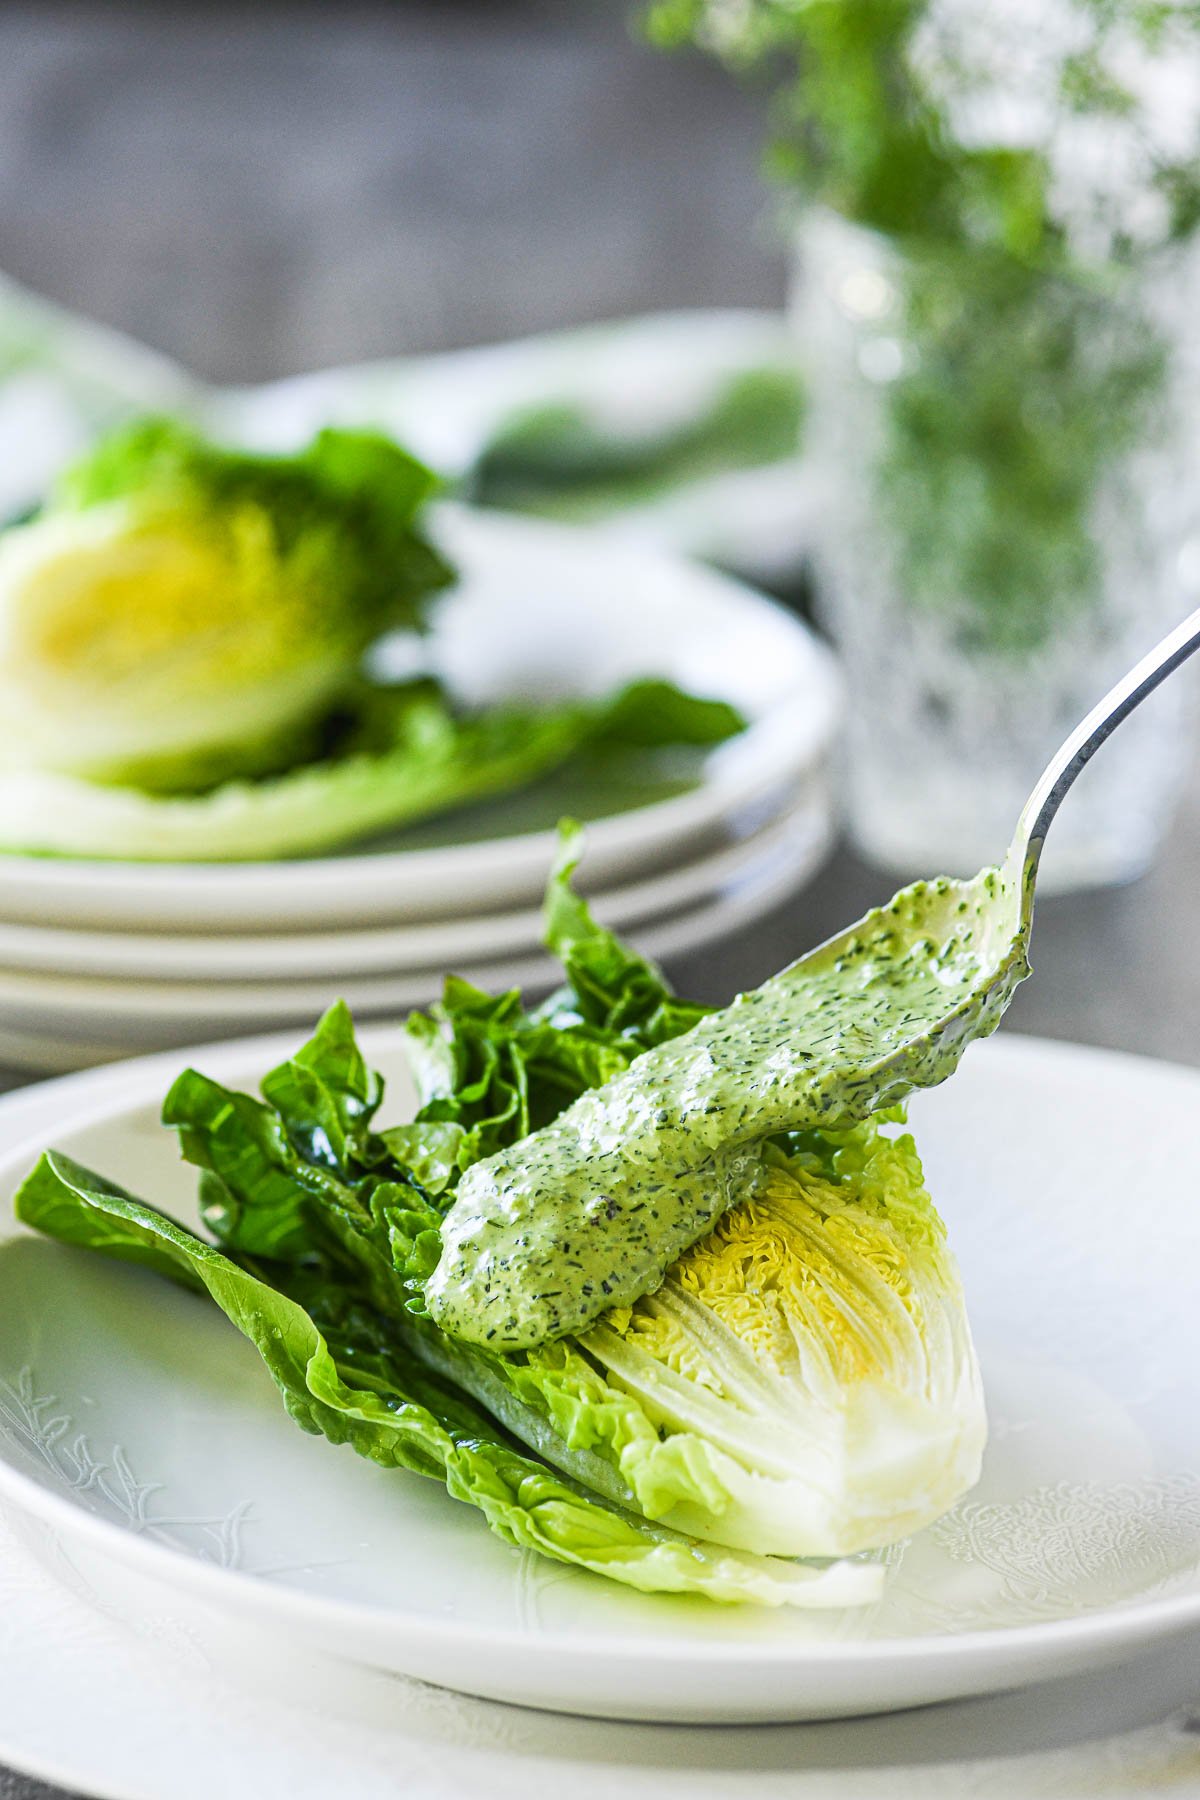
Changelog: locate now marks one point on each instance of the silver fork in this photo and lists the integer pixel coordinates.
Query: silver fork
(975, 932)
(1073, 756)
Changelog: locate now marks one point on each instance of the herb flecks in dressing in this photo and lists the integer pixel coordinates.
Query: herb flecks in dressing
(592, 1210)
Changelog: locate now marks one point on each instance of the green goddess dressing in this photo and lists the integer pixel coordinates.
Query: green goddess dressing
(592, 1210)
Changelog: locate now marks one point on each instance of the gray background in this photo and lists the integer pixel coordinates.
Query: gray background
(262, 193)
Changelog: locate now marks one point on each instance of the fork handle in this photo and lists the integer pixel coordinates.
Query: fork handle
(1087, 737)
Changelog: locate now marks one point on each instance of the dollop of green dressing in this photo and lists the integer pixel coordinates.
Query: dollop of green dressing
(592, 1210)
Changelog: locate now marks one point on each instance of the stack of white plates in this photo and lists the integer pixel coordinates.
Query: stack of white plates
(101, 960)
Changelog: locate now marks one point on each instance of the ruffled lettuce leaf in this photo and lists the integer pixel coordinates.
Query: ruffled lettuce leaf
(346, 504)
(486, 1065)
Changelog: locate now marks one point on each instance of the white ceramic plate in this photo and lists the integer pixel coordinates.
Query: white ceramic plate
(541, 609)
(388, 949)
(142, 1430)
(110, 1692)
(49, 1024)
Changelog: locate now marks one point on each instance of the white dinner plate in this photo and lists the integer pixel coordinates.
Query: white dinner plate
(107, 1691)
(387, 949)
(142, 1431)
(542, 610)
(49, 1024)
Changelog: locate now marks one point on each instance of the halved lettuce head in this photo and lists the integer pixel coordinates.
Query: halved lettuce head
(180, 612)
(802, 1383)
(812, 1357)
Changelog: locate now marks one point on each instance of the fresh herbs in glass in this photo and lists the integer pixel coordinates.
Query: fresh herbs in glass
(997, 299)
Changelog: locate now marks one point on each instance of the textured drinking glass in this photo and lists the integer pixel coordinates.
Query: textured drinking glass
(1006, 505)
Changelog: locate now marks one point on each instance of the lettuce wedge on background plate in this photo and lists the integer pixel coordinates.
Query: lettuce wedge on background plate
(186, 631)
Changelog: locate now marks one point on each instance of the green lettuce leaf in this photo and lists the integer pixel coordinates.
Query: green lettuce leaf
(402, 1416)
(400, 755)
(495, 1071)
(609, 987)
(555, 460)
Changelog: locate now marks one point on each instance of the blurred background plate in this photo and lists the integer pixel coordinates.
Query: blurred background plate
(384, 950)
(592, 613)
(54, 1024)
(660, 406)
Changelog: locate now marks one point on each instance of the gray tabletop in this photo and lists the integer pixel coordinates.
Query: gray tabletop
(259, 195)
